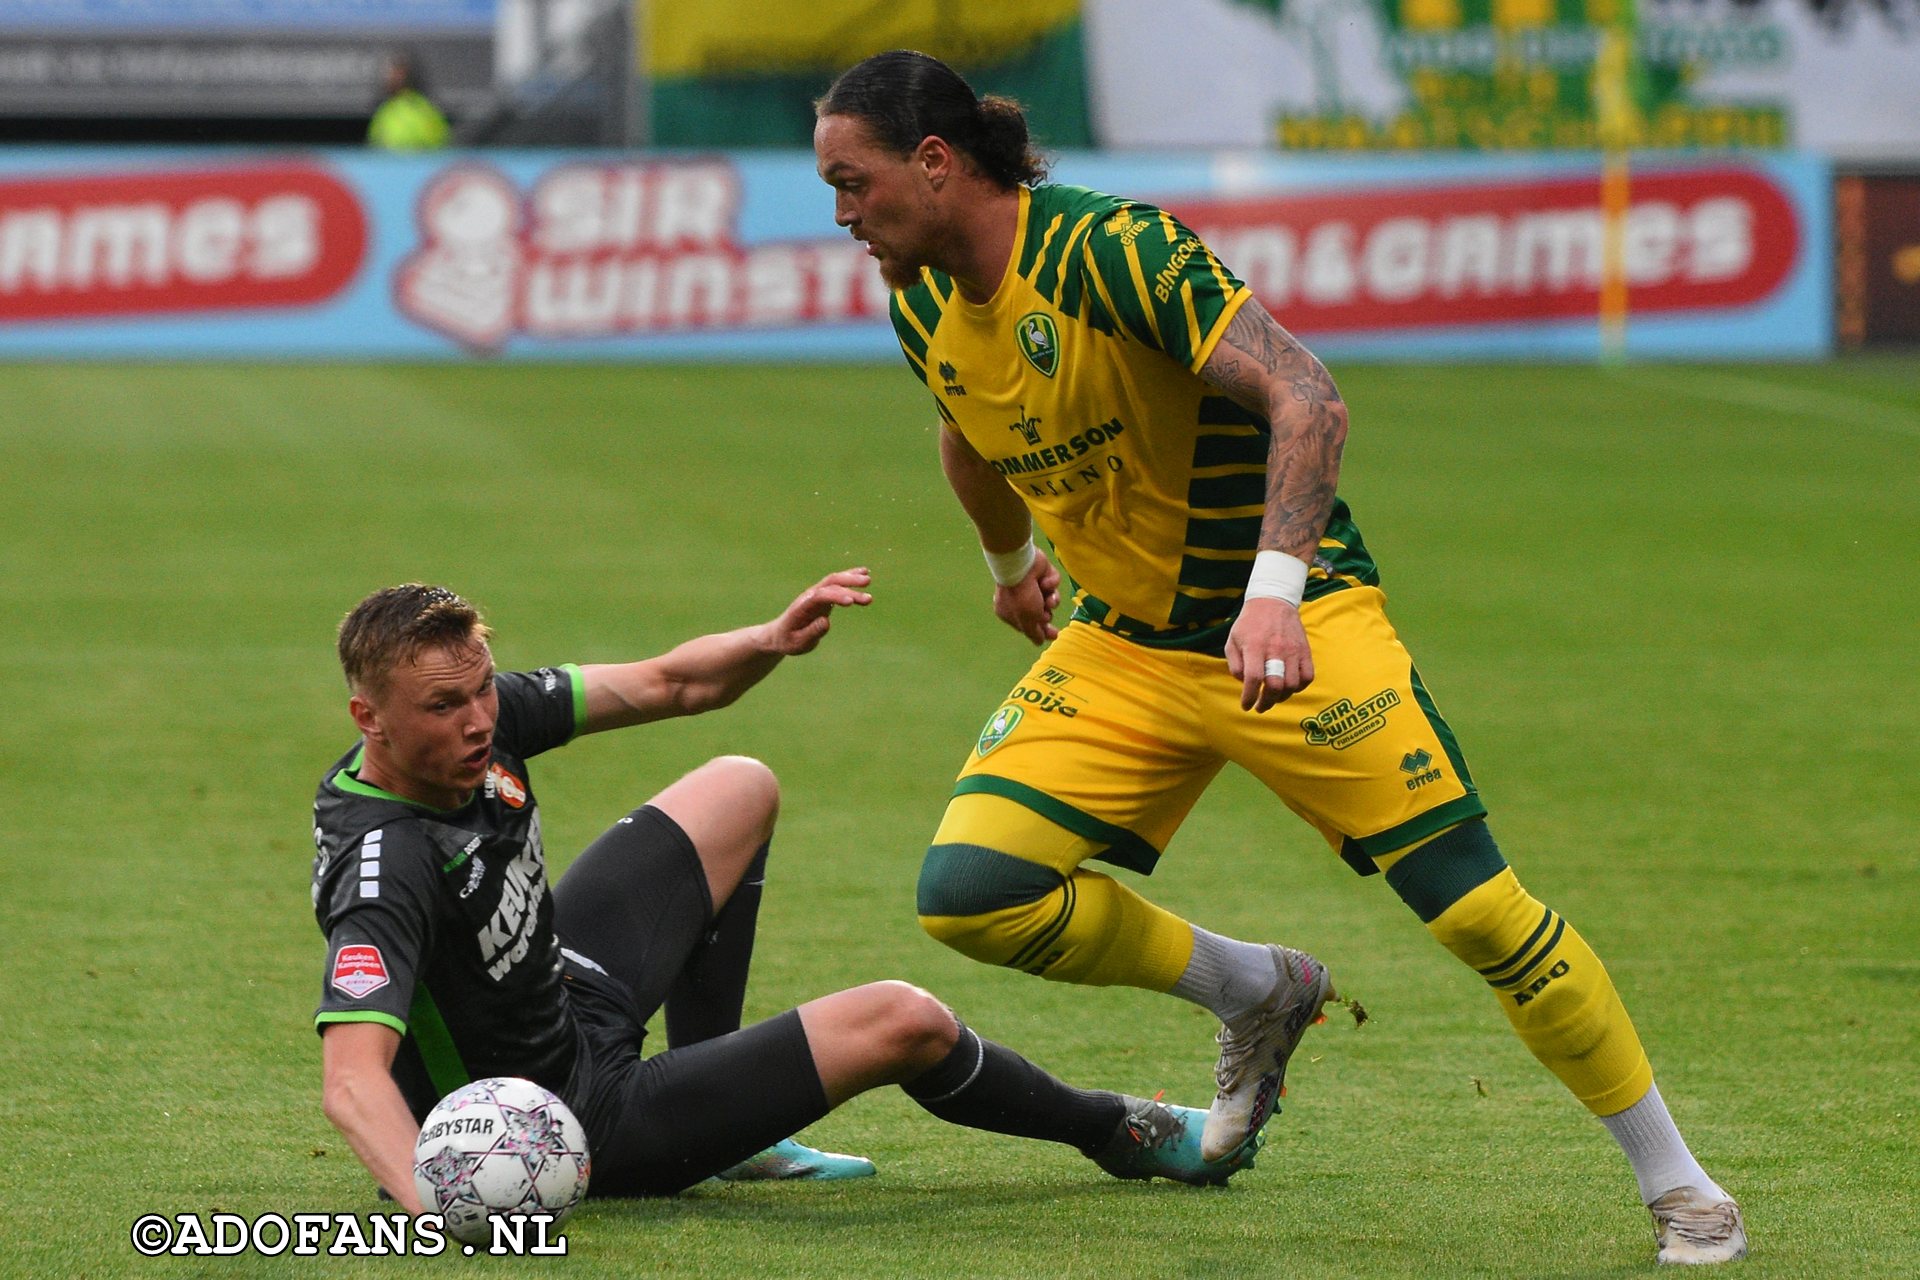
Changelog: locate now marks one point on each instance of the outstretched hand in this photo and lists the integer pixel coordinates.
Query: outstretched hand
(1027, 606)
(1268, 631)
(800, 627)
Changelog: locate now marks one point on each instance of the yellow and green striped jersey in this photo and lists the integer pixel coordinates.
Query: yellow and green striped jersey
(1078, 381)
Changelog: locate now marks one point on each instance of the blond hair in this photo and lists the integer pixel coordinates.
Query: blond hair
(394, 624)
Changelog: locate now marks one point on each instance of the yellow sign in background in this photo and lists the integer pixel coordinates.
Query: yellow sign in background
(745, 73)
(733, 36)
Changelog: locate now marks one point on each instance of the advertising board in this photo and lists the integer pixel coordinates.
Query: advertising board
(617, 256)
(1877, 258)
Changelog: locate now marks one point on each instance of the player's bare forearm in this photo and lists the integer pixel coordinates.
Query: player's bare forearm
(1004, 524)
(1263, 368)
(713, 671)
(702, 674)
(998, 514)
(361, 1100)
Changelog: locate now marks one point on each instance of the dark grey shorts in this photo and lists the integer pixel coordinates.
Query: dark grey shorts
(630, 912)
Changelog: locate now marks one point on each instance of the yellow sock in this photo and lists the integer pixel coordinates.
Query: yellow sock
(1553, 989)
(1004, 886)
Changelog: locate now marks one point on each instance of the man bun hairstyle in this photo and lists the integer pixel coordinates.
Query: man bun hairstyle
(906, 96)
(394, 624)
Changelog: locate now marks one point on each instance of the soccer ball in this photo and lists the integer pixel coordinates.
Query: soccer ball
(501, 1146)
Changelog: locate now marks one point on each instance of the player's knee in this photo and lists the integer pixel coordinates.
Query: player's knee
(750, 786)
(1493, 920)
(990, 939)
(1435, 876)
(908, 1024)
(987, 905)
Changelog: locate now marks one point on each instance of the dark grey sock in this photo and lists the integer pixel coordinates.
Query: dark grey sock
(984, 1085)
(706, 999)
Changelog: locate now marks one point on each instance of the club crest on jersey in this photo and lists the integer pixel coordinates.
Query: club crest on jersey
(1039, 341)
(1004, 722)
(509, 788)
(358, 971)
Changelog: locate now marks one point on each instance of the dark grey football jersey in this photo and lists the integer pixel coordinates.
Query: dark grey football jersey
(439, 923)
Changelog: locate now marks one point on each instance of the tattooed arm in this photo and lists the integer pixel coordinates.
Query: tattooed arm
(1263, 368)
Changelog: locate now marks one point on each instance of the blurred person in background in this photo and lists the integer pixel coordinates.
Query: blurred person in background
(406, 119)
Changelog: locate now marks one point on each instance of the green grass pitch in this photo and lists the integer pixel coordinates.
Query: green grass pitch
(1670, 610)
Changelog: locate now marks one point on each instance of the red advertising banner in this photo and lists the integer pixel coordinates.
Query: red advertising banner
(620, 255)
(1487, 252)
(606, 250)
(128, 244)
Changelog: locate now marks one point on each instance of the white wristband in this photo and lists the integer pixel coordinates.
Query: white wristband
(1277, 576)
(1010, 567)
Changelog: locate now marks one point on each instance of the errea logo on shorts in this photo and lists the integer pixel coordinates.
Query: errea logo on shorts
(1346, 722)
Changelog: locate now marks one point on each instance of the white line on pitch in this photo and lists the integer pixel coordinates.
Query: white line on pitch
(1758, 393)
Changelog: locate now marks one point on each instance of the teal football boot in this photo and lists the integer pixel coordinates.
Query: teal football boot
(1156, 1140)
(790, 1161)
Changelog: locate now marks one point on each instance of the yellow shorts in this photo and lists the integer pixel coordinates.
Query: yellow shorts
(1115, 741)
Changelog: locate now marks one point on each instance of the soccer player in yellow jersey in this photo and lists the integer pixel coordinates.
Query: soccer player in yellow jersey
(1100, 373)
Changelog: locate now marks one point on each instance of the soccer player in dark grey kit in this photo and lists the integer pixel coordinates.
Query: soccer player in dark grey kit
(449, 959)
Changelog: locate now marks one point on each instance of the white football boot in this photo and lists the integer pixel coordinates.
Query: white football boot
(1254, 1049)
(1693, 1228)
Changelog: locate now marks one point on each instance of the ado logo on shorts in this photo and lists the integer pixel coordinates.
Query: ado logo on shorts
(1004, 722)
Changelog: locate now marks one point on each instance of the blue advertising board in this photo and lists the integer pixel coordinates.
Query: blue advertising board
(642, 256)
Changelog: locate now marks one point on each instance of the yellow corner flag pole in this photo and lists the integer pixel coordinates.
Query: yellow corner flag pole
(1616, 122)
